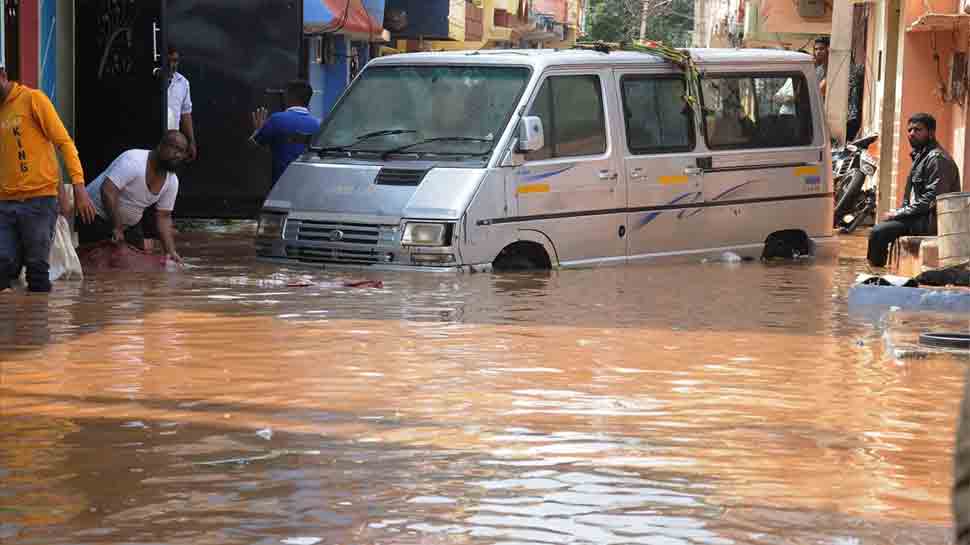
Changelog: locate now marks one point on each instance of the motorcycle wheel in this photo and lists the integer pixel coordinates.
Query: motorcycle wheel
(858, 219)
(847, 200)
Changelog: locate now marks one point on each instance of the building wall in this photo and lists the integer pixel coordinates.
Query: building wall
(47, 52)
(570, 11)
(556, 8)
(788, 30)
(3, 35)
(29, 42)
(782, 16)
(430, 19)
(65, 59)
(920, 79)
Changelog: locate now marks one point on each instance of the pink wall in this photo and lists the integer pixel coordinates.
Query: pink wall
(920, 90)
(556, 8)
(782, 16)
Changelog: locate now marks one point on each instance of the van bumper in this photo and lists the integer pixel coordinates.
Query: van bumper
(383, 267)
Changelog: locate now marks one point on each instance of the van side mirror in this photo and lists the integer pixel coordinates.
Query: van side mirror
(531, 136)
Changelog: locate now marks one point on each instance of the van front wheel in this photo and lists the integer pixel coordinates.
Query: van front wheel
(522, 256)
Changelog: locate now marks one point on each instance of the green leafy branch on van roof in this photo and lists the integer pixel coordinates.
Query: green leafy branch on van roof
(679, 57)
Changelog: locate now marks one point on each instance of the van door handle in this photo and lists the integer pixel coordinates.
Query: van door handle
(636, 173)
(693, 171)
(607, 175)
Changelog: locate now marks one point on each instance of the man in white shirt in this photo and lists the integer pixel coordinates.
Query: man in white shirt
(180, 102)
(179, 119)
(134, 181)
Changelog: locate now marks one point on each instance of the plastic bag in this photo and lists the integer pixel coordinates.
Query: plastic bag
(63, 258)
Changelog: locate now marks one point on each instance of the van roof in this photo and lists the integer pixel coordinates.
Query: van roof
(541, 58)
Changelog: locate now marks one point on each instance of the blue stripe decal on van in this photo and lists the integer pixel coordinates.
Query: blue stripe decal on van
(542, 176)
(723, 194)
(663, 208)
(653, 215)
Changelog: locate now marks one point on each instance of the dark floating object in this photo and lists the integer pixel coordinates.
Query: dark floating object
(946, 340)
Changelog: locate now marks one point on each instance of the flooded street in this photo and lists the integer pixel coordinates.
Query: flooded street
(664, 405)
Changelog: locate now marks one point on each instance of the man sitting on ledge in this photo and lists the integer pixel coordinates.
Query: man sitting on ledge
(934, 173)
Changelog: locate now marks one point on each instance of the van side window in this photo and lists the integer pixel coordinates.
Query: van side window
(762, 111)
(656, 116)
(573, 120)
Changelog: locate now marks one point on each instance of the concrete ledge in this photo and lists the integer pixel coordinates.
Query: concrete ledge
(877, 299)
(913, 255)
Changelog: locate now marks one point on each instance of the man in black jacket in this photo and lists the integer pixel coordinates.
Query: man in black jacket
(934, 173)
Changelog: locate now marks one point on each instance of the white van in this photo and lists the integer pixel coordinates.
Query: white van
(532, 158)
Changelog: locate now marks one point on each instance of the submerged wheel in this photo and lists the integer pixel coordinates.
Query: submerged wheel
(787, 244)
(522, 256)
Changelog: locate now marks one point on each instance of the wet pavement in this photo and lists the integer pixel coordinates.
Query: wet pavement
(658, 404)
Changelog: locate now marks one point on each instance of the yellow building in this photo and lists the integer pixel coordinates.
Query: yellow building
(448, 25)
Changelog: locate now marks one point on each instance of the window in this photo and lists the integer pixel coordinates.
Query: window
(445, 112)
(571, 109)
(657, 118)
(768, 111)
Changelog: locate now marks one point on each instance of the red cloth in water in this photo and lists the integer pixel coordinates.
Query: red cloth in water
(108, 256)
(363, 284)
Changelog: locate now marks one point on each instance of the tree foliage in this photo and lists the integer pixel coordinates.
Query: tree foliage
(668, 21)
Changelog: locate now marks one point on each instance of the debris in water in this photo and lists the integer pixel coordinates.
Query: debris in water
(726, 257)
(910, 354)
(302, 540)
(265, 433)
(344, 284)
(245, 459)
(364, 284)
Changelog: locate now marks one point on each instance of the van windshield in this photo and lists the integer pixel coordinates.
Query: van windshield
(439, 112)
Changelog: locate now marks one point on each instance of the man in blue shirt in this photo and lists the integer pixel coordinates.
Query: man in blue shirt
(287, 133)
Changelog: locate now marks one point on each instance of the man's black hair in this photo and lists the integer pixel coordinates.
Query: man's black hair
(172, 136)
(924, 119)
(299, 91)
(824, 40)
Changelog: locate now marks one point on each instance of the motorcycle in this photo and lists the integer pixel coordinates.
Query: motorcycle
(854, 179)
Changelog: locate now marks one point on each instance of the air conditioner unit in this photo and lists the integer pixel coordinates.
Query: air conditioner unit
(811, 8)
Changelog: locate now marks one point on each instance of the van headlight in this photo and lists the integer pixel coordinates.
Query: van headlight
(271, 225)
(426, 234)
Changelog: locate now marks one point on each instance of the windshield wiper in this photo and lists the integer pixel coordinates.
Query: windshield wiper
(437, 139)
(365, 136)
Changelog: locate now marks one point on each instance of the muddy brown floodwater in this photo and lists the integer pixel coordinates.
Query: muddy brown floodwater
(658, 404)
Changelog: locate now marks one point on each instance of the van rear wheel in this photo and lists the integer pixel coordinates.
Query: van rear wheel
(787, 244)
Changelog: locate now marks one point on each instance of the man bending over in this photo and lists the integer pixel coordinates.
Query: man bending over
(134, 181)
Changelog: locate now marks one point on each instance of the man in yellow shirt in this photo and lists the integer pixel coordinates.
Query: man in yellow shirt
(30, 176)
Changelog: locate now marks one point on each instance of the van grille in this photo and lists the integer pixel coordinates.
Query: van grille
(333, 255)
(344, 233)
(399, 176)
(333, 242)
